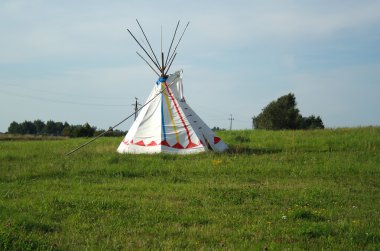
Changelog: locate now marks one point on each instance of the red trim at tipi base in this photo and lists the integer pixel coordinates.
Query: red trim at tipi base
(140, 143)
(153, 143)
(164, 143)
(177, 145)
(191, 145)
(216, 140)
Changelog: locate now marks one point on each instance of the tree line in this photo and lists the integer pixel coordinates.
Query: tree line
(281, 114)
(39, 127)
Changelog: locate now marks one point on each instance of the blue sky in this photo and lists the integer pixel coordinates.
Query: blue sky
(74, 61)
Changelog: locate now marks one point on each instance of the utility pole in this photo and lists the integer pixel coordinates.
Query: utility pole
(136, 105)
(230, 119)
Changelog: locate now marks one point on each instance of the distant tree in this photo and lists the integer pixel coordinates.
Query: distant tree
(312, 122)
(86, 131)
(111, 133)
(58, 129)
(118, 133)
(50, 127)
(67, 130)
(217, 128)
(14, 128)
(40, 126)
(74, 131)
(27, 127)
(279, 114)
(284, 114)
(54, 128)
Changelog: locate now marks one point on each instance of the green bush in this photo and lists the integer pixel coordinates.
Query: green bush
(283, 114)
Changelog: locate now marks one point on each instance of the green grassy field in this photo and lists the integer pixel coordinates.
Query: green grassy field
(277, 190)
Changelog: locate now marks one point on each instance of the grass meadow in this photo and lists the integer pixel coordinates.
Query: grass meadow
(273, 190)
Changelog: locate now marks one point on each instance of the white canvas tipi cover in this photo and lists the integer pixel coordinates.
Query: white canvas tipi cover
(168, 124)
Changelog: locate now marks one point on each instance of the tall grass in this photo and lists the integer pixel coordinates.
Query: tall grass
(273, 189)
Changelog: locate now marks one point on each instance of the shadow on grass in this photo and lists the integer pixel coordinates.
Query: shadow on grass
(236, 149)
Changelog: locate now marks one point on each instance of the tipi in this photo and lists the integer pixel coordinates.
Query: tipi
(166, 123)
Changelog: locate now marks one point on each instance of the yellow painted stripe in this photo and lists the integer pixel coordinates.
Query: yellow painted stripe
(170, 113)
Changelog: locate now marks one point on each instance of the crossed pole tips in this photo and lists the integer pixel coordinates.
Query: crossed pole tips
(160, 68)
